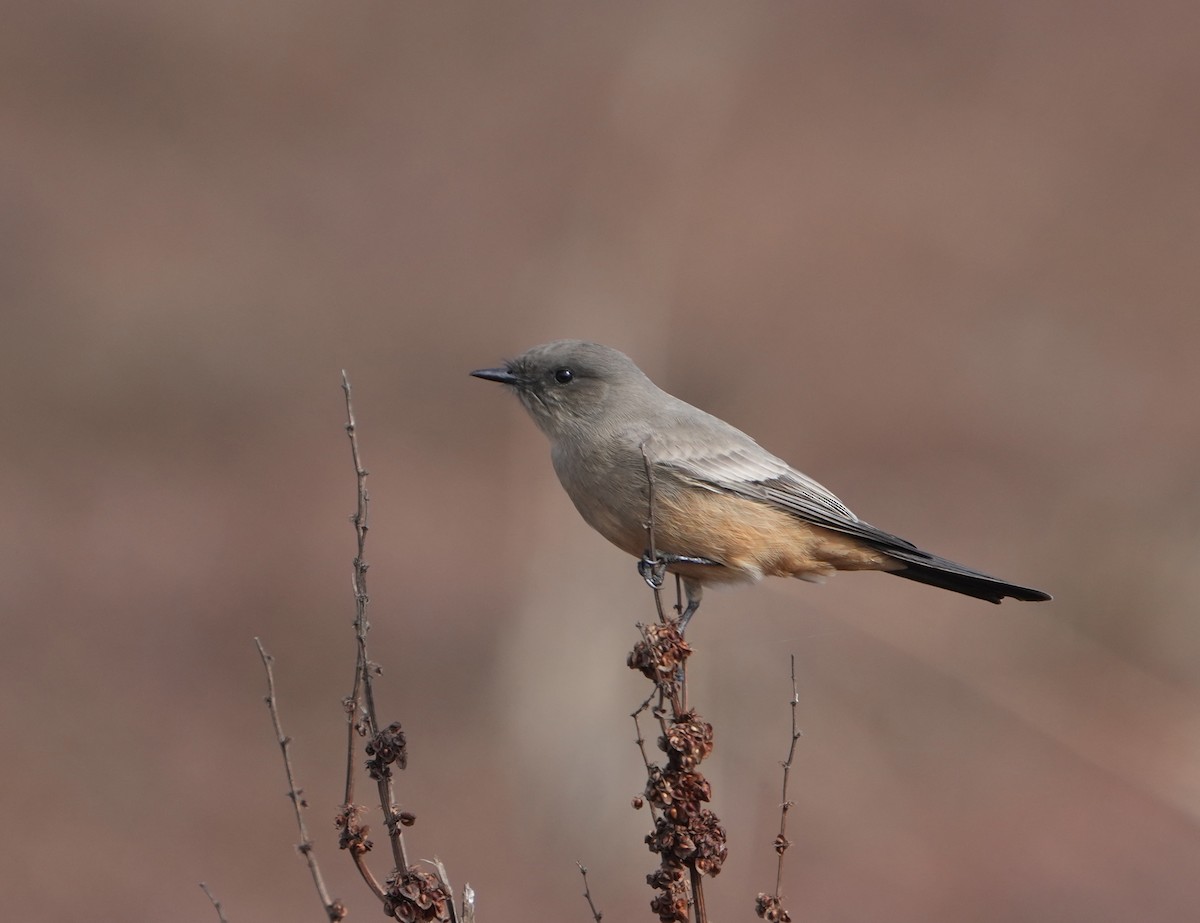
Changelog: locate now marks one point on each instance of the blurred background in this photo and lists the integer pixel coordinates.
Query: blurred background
(943, 257)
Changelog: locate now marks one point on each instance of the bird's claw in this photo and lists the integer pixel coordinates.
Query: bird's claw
(654, 570)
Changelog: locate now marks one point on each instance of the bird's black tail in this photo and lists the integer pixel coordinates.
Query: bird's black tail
(935, 571)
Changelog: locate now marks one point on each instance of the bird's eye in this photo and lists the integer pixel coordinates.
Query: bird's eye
(563, 376)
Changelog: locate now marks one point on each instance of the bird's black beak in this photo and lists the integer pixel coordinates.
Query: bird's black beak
(504, 376)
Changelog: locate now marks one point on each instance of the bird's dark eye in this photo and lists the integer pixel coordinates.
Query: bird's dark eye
(563, 376)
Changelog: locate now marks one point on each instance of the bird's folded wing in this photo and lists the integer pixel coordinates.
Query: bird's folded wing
(750, 471)
(744, 469)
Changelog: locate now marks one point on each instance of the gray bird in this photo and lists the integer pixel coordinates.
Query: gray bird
(726, 510)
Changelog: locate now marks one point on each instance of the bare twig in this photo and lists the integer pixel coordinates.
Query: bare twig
(354, 705)
(360, 707)
(781, 842)
(334, 909)
(652, 546)
(587, 893)
(770, 906)
(640, 740)
(360, 863)
(408, 890)
(216, 903)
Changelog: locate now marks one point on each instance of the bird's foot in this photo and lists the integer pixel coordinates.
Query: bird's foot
(654, 570)
(688, 612)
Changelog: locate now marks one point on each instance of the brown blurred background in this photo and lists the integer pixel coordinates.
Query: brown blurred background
(942, 256)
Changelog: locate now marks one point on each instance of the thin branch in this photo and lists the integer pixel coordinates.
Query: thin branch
(360, 863)
(781, 842)
(587, 893)
(354, 705)
(216, 903)
(333, 909)
(391, 820)
(640, 740)
(652, 552)
(360, 706)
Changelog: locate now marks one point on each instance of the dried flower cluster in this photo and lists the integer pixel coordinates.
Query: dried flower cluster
(770, 909)
(660, 654)
(687, 741)
(416, 896)
(354, 831)
(672, 904)
(687, 836)
(387, 747)
(677, 793)
(698, 842)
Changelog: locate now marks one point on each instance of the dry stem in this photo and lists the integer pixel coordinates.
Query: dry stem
(216, 903)
(770, 906)
(652, 553)
(334, 910)
(781, 842)
(361, 716)
(386, 746)
(597, 916)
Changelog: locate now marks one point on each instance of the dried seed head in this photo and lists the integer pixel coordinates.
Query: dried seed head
(672, 905)
(354, 832)
(769, 907)
(665, 876)
(416, 897)
(678, 792)
(660, 653)
(387, 747)
(688, 740)
(697, 842)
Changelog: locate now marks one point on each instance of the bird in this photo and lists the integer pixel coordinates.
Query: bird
(725, 510)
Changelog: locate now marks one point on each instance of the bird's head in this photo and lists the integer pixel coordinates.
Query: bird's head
(572, 386)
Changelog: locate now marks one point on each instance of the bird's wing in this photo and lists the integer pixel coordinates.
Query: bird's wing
(743, 468)
(740, 466)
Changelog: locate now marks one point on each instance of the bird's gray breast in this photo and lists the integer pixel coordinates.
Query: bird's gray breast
(606, 480)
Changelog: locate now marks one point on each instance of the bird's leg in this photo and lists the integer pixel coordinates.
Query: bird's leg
(693, 590)
(688, 612)
(654, 570)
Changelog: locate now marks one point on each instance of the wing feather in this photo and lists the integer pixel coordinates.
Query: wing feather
(744, 468)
